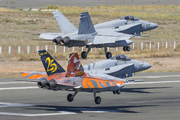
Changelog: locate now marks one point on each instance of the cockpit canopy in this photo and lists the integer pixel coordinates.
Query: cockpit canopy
(129, 17)
(121, 58)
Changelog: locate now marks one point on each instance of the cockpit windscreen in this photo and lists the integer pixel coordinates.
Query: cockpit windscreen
(121, 58)
(129, 17)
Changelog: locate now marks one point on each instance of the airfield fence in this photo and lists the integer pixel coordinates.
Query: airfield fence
(62, 49)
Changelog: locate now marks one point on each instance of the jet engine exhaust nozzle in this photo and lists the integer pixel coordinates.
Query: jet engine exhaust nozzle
(42, 83)
(57, 40)
(51, 84)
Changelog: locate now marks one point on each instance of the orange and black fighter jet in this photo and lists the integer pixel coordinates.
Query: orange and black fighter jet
(56, 78)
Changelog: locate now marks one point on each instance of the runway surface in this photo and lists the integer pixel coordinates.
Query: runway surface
(157, 97)
(81, 3)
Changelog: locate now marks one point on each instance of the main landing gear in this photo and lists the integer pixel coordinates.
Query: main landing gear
(126, 48)
(84, 54)
(117, 92)
(70, 97)
(97, 99)
(108, 54)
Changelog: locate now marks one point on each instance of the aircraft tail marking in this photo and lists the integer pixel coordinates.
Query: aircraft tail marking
(74, 67)
(50, 64)
(65, 25)
(85, 24)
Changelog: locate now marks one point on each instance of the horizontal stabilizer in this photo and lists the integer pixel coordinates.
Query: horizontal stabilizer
(49, 36)
(65, 25)
(34, 75)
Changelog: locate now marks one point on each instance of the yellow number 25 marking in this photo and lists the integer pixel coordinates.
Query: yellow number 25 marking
(51, 66)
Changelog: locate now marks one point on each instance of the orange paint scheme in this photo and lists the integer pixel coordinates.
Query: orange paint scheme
(74, 67)
(35, 76)
(25, 74)
(88, 82)
(57, 75)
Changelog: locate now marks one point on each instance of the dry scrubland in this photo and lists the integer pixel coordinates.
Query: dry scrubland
(17, 27)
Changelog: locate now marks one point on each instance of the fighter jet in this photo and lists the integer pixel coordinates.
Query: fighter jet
(78, 78)
(87, 35)
(129, 25)
(107, 34)
(118, 66)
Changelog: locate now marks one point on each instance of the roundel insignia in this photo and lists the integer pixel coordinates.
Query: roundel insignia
(86, 41)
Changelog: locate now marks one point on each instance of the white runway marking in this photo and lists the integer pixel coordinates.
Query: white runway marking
(69, 112)
(19, 88)
(164, 76)
(130, 83)
(173, 100)
(3, 104)
(3, 83)
(42, 114)
(175, 81)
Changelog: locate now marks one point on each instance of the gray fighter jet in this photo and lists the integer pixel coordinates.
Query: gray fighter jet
(117, 66)
(87, 35)
(102, 35)
(129, 25)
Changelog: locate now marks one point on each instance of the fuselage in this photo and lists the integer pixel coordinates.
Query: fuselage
(118, 66)
(85, 82)
(124, 21)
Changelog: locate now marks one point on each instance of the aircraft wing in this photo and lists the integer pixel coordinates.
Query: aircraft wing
(108, 39)
(102, 75)
(104, 36)
(34, 75)
(49, 36)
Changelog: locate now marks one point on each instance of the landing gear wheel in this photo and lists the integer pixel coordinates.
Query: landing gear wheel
(97, 100)
(114, 92)
(70, 98)
(118, 91)
(128, 48)
(84, 55)
(108, 55)
(124, 48)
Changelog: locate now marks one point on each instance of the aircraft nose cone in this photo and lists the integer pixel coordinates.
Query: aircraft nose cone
(154, 25)
(147, 65)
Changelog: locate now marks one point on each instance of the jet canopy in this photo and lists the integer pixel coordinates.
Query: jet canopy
(129, 17)
(121, 58)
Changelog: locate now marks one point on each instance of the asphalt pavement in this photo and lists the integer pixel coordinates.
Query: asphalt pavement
(81, 3)
(157, 97)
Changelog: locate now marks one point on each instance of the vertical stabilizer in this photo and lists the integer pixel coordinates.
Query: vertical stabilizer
(85, 24)
(50, 64)
(65, 25)
(74, 67)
